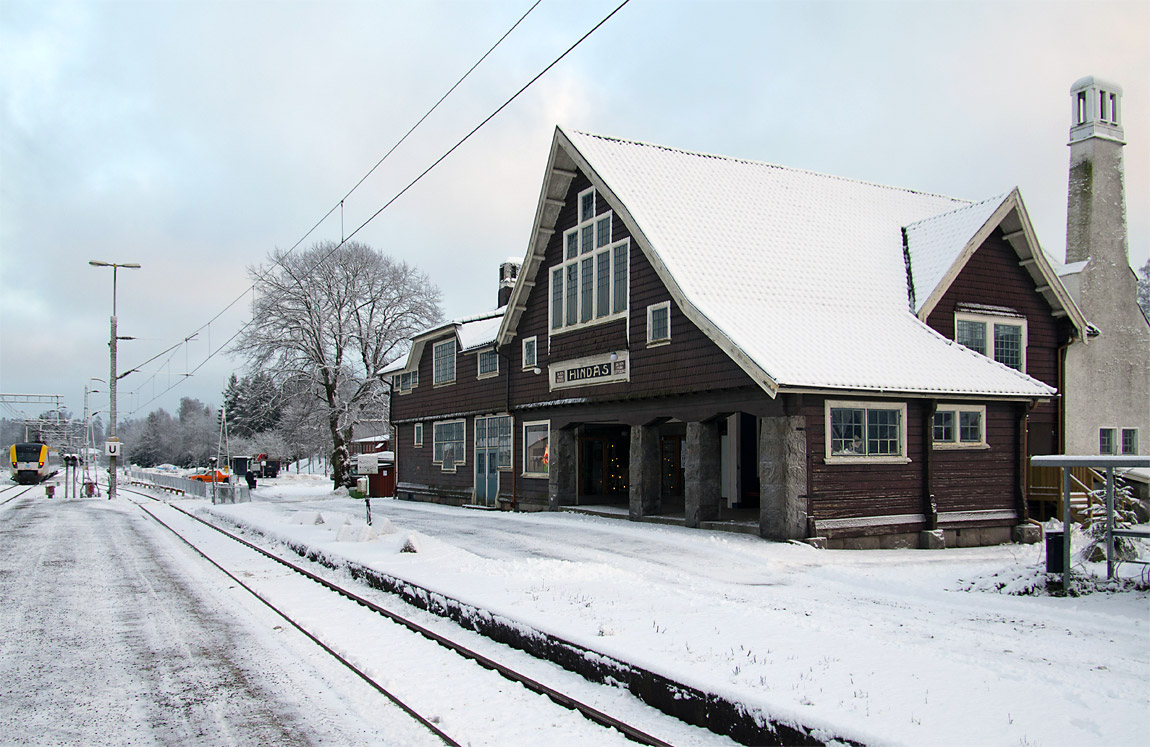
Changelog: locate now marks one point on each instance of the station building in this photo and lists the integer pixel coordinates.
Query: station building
(726, 343)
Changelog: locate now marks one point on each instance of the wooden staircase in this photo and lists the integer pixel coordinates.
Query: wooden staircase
(1046, 491)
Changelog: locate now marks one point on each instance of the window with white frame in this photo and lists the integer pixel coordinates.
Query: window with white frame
(1129, 441)
(536, 448)
(1002, 338)
(488, 361)
(529, 355)
(406, 381)
(1106, 439)
(659, 323)
(444, 362)
(590, 284)
(865, 432)
(448, 441)
(417, 434)
(959, 426)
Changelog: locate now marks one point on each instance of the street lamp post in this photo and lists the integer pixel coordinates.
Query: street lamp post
(113, 450)
(88, 426)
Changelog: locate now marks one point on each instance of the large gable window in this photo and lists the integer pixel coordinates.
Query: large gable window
(444, 360)
(590, 284)
(865, 432)
(1000, 337)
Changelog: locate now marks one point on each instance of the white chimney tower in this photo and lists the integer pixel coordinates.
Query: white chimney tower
(1107, 383)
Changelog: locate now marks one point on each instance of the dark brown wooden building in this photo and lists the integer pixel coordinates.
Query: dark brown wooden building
(717, 340)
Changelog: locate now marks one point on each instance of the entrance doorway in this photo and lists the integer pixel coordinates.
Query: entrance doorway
(604, 464)
(492, 452)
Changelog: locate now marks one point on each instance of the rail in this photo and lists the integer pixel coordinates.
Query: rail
(1067, 463)
(220, 492)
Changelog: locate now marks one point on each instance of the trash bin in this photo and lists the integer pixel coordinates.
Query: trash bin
(89, 488)
(1054, 540)
(50, 490)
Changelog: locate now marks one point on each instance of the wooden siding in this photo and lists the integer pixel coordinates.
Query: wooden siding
(962, 480)
(981, 479)
(993, 277)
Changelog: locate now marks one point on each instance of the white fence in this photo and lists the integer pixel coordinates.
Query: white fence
(220, 492)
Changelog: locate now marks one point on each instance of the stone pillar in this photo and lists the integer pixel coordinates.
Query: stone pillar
(562, 486)
(783, 478)
(644, 484)
(702, 472)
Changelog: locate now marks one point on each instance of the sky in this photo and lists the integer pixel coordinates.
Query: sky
(194, 138)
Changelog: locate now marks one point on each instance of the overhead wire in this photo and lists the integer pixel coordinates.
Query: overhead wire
(339, 205)
(212, 353)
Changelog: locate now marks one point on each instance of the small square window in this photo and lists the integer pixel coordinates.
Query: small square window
(944, 426)
(1130, 441)
(488, 363)
(659, 323)
(970, 427)
(1106, 440)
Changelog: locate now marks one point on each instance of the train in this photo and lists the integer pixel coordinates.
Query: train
(32, 462)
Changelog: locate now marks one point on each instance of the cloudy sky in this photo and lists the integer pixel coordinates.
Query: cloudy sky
(193, 137)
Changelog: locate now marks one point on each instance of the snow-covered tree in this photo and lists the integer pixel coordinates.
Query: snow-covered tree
(253, 404)
(333, 316)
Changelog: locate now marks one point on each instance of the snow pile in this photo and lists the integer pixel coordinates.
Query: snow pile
(356, 533)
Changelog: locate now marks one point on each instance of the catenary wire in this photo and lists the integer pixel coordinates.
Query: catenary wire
(310, 231)
(212, 353)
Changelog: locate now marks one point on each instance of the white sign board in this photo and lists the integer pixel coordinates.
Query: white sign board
(112, 448)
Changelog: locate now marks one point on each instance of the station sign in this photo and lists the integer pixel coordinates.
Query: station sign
(606, 368)
(112, 448)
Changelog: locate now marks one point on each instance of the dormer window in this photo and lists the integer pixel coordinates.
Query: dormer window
(444, 362)
(1002, 338)
(407, 381)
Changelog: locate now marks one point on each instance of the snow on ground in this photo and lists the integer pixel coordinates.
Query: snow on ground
(885, 647)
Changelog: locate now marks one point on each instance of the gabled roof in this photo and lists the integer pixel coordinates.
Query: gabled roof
(471, 332)
(799, 277)
(939, 247)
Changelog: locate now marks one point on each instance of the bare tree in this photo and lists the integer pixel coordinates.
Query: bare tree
(335, 316)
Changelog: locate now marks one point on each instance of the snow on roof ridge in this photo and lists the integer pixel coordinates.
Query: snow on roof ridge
(970, 205)
(752, 162)
(461, 320)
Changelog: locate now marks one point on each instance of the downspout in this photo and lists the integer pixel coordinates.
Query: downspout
(514, 482)
(1024, 459)
(1061, 406)
(930, 504)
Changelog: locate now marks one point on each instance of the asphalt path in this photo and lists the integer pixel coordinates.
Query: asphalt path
(112, 633)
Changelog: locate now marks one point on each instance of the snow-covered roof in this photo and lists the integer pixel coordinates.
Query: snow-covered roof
(800, 277)
(478, 332)
(472, 332)
(935, 243)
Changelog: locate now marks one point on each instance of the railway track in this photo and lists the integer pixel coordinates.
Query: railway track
(12, 492)
(460, 653)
